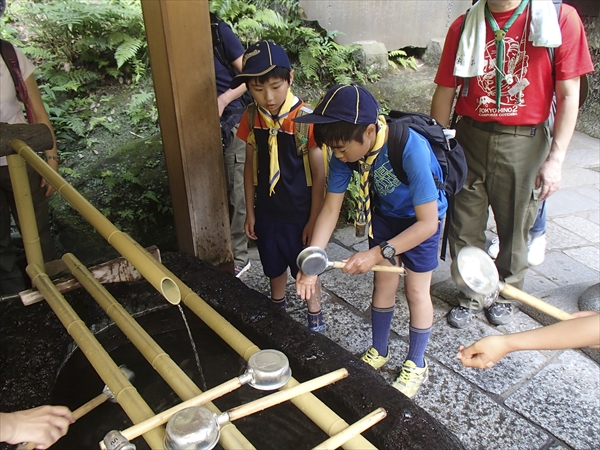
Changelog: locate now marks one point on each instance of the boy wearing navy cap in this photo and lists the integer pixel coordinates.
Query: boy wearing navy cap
(403, 220)
(283, 197)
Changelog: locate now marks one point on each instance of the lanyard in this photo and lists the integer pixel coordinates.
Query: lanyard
(500, 34)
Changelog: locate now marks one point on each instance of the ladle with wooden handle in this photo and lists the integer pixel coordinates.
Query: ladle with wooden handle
(90, 405)
(197, 428)
(313, 261)
(476, 274)
(266, 370)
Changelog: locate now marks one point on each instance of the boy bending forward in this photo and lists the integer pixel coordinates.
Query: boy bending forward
(403, 220)
(282, 202)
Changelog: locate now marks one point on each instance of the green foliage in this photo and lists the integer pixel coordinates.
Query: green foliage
(400, 57)
(317, 59)
(77, 38)
(350, 204)
(81, 47)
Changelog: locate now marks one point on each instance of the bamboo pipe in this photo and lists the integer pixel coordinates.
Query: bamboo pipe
(356, 428)
(154, 354)
(24, 201)
(126, 395)
(310, 405)
(116, 238)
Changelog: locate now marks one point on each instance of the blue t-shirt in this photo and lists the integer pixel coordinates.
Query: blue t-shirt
(388, 194)
(233, 50)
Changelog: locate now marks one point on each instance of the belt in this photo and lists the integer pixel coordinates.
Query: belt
(495, 127)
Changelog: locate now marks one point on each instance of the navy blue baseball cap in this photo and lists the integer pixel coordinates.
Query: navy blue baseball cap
(344, 103)
(260, 59)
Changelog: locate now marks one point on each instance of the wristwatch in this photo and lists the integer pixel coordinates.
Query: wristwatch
(388, 251)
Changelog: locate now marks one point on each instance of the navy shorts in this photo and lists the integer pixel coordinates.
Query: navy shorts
(278, 246)
(422, 258)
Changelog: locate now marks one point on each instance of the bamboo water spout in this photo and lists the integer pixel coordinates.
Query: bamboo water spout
(140, 260)
(23, 199)
(176, 378)
(127, 396)
(309, 404)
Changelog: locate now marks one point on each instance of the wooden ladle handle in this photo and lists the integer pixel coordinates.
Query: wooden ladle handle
(530, 300)
(394, 269)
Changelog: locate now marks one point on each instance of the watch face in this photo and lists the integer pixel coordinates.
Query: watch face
(388, 251)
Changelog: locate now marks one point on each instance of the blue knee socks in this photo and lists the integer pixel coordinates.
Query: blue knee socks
(418, 338)
(381, 319)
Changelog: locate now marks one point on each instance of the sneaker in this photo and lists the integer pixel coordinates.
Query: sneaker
(239, 270)
(374, 359)
(460, 317)
(280, 305)
(494, 248)
(411, 378)
(500, 313)
(537, 250)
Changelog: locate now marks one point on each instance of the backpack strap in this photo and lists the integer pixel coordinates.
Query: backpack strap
(8, 53)
(301, 138)
(397, 137)
(251, 116)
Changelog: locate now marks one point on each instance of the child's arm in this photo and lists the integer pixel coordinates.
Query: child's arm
(249, 191)
(573, 333)
(317, 168)
(324, 226)
(425, 226)
(43, 425)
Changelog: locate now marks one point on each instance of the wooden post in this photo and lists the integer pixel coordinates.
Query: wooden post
(179, 40)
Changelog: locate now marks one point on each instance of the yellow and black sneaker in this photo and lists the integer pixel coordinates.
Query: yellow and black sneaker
(374, 359)
(411, 378)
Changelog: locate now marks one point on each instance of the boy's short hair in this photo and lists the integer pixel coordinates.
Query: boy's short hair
(277, 73)
(334, 133)
(344, 103)
(260, 59)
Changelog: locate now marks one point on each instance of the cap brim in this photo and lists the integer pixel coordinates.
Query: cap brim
(315, 118)
(242, 77)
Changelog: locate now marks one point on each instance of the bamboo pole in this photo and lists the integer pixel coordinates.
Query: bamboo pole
(154, 354)
(25, 210)
(140, 260)
(309, 404)
(127, 396)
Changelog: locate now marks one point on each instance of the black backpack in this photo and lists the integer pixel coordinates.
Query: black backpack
(447, 151)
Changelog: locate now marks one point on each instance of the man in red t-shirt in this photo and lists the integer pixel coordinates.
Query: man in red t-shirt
(502, 63)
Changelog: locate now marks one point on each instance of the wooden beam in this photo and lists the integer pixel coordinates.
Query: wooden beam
(179, 40)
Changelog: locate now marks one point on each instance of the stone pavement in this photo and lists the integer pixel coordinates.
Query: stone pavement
(530, 399)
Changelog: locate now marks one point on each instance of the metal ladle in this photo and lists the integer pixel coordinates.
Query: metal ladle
(91, 405)
(476, 274)
(266, 370)
(313, 261)
(197, 428)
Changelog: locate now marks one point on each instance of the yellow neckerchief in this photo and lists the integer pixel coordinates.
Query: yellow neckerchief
(365, 163)
(274, 124)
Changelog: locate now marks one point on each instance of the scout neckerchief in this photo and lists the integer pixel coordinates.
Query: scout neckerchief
(500, 34)
(274, 124)
(363, 212)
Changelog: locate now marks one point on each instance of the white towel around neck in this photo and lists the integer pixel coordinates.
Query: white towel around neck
(544, 31)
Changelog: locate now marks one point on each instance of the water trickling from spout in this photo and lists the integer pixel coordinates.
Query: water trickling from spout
(203, 381)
